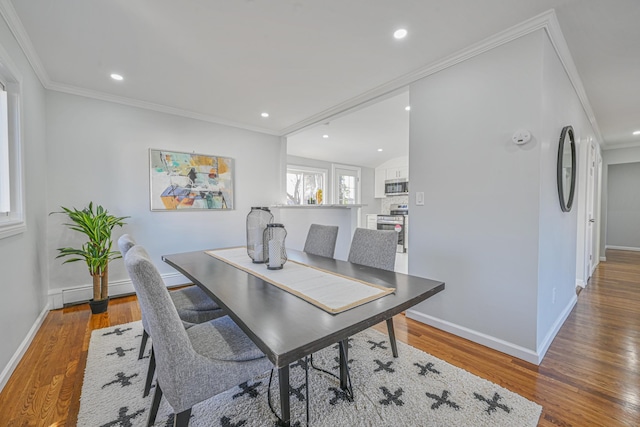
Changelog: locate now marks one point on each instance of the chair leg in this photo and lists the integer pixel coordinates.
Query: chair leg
(392, 337)
(150, 371)
(182, 419)
(143, 344)
(153, 412)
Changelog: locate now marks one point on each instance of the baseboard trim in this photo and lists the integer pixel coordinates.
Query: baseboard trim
(498, 344)
(593, 268)
(623, 248)
(603, 258)
(478, 337)
(58, 298)
(26, 342)
(548, 339)
(580, 282)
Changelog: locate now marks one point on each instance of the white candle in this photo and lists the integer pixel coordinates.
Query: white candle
(275, 258)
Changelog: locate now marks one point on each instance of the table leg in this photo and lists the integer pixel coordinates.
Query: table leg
(392, 337)
(285, 410)
(344, 360)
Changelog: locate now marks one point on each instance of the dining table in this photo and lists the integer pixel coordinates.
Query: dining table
(286, 327)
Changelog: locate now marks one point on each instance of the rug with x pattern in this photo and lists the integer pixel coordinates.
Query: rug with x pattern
(415, 389)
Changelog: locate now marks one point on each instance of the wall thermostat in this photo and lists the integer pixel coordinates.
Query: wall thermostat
(521, 136)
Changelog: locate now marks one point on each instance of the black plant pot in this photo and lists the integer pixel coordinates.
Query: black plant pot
(99, 306)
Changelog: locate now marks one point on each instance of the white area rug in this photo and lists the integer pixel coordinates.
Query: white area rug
(415, 389)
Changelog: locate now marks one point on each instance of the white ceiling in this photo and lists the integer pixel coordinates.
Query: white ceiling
(302, 60)
(356, 137)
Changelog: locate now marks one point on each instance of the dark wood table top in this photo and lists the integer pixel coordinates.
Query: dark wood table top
(285, 327)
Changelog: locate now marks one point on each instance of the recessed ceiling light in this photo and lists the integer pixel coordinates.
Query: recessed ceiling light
(325, 136)
(407, 108)
(637, 132)
(379, 149)
(400, 34)
(117, 77)
(265, 115)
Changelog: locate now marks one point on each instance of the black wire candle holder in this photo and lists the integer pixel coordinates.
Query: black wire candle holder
(275, 253)
(257, 221)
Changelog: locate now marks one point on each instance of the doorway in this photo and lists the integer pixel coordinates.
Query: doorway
(591, 257)
(346, 184)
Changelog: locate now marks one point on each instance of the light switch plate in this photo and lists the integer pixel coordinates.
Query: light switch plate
(419, 198)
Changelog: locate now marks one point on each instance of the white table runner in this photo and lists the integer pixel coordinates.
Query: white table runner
(327, 290)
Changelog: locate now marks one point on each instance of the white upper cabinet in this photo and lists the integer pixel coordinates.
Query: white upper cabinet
(397, 168)
(397, 173)
(380, 176)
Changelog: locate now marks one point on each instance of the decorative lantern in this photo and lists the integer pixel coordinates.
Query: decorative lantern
(275, 254)
(257, 221)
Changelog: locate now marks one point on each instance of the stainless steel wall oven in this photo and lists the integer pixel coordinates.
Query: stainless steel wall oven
(396, 220)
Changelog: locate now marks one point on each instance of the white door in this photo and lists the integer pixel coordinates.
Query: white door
(590, 261)
(346, 185)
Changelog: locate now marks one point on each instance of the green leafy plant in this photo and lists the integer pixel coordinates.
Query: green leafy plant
(97, 225)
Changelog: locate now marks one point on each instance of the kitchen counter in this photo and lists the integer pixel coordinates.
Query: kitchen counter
(317, 206)
(298, 218)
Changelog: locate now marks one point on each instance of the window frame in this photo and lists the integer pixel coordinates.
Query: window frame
(14, 221)
(310, 170)
(334, 178)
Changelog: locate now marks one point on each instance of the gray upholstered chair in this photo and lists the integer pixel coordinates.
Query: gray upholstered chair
(192, 304)
(126, 242)
(193, 364)
(376, 248)
(321, 240)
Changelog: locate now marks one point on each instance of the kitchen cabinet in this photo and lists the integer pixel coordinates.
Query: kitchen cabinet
(379, 178)
(397, 168)
(372, 221)
(397, 173)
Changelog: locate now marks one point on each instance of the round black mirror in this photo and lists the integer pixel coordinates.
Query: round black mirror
(566, 168)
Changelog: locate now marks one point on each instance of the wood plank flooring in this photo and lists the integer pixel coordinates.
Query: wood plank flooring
(589, 377)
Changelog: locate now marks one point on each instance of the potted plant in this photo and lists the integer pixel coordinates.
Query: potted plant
(96, 252)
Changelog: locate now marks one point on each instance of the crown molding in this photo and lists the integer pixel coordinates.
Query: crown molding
(545, 21)
(621, 145)
(562, 50)
(15, 25)
(94, 94)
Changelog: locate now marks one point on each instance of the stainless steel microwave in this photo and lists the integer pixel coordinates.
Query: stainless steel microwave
(396, 186)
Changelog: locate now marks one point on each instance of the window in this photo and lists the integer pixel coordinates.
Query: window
(12, 216)
(347, 184)
(306, 186)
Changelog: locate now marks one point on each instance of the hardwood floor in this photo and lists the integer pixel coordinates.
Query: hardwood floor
(589, 377)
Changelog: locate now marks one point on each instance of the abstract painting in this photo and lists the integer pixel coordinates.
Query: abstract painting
(190, 181)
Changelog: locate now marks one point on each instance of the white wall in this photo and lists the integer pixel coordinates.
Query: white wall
(478, 229)
(623, 207)
(559, 231)
(23, 257)
(98, 151)
(491, 227)
(612, 157)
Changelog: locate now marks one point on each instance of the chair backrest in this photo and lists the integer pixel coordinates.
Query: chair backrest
(171, 345)
(125, 242)
(374, 248)
(321, 240)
